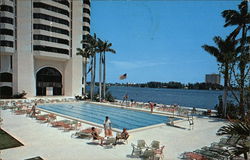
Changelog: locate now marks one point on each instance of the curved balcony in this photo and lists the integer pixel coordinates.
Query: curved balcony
(54, 14)
(52, 34)
(6, 50)
(7, 26)
(5, 84)
(52, 44)
(51, 24)
(50, 56)
(6, 14)
(9, 3)
(7, 37)
(53, 3)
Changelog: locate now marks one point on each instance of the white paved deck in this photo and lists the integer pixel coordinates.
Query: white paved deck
(53, 144)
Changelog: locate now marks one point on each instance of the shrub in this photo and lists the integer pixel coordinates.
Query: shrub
(19, 95)
(219, 107)
(232, 109)
(109, 97)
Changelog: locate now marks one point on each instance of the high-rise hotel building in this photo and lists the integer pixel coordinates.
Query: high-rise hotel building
(38, 41)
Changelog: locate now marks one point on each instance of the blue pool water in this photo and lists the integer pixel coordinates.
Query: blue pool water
(120, 118)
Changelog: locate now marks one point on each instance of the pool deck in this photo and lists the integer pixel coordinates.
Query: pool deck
(50, 143)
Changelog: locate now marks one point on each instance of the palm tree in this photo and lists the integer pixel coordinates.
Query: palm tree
(241, 19)
(241, 130)
(85, 53)
(91, 47)
(225, 53)
(104, 47)
(100, 68)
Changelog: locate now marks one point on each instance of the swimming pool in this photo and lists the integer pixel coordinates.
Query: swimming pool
(120, 117)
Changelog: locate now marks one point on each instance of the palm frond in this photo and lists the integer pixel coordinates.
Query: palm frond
(241, 129)
(111, 50)
(243, 7)
(90, 68)
(239, 150)
(248, 39)
(104, 46)
(231, 17)
(213, 51)
(234, 34)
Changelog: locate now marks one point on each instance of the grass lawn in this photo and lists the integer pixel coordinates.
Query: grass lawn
(7, 141)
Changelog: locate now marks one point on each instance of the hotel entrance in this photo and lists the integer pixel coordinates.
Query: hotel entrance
(48, 82)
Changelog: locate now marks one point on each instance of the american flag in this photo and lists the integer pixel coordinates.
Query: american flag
(124, 76)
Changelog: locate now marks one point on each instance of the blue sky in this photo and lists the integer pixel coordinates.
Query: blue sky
(159, 40)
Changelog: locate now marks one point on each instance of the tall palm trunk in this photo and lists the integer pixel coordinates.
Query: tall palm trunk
(100, 77)
(92, 89)
(92, 78)
(84, 74)
(242, 66)
(104, 76)
(226, 77)
(242, 84)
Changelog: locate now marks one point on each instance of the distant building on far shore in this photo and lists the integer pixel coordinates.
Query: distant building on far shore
(212, 78)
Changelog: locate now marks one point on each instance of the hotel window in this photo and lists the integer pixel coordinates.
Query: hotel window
(6, 44)
(50, 49)
(5, 77)
(10, 62)
(50, 39)
(50, 29)
(86, 10)
(6, 8)
(86, 28)
(6, 32)
(51, 8)
(64, 2)
(50, 18)
(85, 19)
(6, 20)
(86, 2)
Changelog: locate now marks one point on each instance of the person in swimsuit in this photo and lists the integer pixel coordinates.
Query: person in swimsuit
(96, 136)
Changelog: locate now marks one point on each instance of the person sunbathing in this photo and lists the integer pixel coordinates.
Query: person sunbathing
(96, 136)
(124, 135)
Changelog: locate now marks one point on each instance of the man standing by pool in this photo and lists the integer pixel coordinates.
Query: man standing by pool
(107, 127)
(151, 105)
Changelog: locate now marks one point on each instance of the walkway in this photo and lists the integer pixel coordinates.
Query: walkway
(53, 144)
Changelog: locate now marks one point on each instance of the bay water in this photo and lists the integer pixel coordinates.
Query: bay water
(206, 99)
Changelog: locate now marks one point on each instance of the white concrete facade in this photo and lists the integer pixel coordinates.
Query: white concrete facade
(36, 35)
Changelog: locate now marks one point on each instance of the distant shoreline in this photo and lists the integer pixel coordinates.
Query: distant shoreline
(166, 88)
(169, 105)
(168, 85)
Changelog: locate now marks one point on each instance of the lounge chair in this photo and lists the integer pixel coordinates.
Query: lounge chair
(85, 133)
(155, 145)
(218, 150)
(60, 124)
(148, 154)
(137, 149)
(20, 112)
(122, 140)
(158, 153)
(109, 142)
(82, 133)
(209, 154)
(72, 125)
(76, 124)
(43, 118)
(193, 156)
(226, 142)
